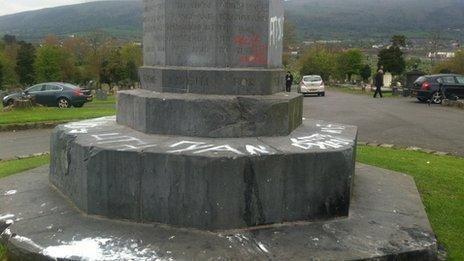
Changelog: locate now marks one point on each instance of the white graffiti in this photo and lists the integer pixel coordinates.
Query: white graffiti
(321, 141)
(190, 146)
(257, 150)
(203, 147)
(122, 142)
(82, 127)
(332, 128)
(276, 32)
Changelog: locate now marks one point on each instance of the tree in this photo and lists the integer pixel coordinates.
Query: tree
(25, 63)
(48, 64)
(392, 60)
(1, 75)
(318, 60)
(453, 65)
(365, 72)
(399, 40)
(9, 39)
(289, 35)
(349, 63)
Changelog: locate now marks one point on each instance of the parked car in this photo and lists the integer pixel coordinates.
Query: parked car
(312, 84)
(435, 88)
(63, 95)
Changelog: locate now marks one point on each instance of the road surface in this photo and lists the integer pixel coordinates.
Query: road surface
(398, 121)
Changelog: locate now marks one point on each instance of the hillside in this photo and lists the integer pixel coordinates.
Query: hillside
(315, 19)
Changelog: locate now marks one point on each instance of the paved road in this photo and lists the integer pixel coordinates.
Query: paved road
(21, 143)
(398, 121)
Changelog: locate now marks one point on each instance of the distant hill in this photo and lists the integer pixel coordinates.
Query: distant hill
(315, 19)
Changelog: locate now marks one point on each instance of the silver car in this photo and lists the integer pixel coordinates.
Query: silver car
(312, 84)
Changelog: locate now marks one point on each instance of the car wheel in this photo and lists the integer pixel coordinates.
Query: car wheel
(323, 94)
(437, 98)
(9, 102)
(63, 103)
(79, 105)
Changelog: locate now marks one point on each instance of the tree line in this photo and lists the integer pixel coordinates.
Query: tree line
(95, 58)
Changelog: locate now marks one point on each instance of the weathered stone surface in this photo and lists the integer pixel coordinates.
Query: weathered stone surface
(110, 170)
(210, 116)
(211, 33)
(219, 81)
(387, 222)
(213, 47)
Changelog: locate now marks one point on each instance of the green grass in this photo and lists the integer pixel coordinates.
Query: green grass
(11, 167)
(93, 109)
(2, 253)
(440, 180)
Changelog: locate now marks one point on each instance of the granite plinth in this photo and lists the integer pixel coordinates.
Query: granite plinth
(210, 80)
(387, 222)
(212, 33)
(111, 170)
(210, 115)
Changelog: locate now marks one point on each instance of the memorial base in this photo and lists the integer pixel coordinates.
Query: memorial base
(111, 170)
(387, 222)
(211, 116)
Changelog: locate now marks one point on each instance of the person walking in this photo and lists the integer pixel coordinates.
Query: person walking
(378, 82)
(288, 81)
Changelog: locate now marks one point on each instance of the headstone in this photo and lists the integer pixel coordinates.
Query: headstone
(101, 95)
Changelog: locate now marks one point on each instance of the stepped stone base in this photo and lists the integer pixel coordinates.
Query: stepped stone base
(210, 116)
(212, 80)
(110, 170)
(387, 222)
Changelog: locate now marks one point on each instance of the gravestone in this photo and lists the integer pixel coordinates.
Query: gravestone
(211, 141)
(101, 95)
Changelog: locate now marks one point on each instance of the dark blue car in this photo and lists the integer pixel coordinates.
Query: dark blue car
(63, 95)
(435, 88)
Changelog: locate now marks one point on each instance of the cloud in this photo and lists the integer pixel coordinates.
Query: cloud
(15, 6)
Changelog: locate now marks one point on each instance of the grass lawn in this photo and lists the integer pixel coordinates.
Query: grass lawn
(93, 109)
(440, 180)
(2, 253)
(11, 167)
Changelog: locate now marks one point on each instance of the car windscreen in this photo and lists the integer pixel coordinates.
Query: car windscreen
(312, 79)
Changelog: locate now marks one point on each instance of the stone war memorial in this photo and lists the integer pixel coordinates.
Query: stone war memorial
(211, 160)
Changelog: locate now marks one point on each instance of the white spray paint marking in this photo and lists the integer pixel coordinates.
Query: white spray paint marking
(193, 146)
(7, 216)
(257, 150)
(82, 127)
(321, 141)
(27, 241)
(263, 247)
(100, 249)
(332, 128)
(276, 32)
(222, 148)
(10, 192)
(122, 142)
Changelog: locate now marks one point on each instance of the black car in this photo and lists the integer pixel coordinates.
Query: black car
(435, 88)
(63, 95)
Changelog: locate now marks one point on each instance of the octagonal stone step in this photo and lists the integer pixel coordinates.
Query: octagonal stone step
(111, 170)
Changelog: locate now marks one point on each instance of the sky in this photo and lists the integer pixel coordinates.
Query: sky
(15, 6)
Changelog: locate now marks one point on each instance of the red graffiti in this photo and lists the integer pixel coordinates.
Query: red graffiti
(258, 50)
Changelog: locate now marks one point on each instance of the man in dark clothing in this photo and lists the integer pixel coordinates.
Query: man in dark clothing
(288, 82)
(378, 82)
